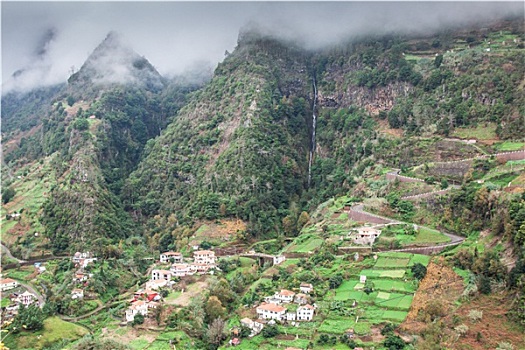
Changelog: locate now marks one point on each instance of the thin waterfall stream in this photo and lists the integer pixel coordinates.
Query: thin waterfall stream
(312, 146)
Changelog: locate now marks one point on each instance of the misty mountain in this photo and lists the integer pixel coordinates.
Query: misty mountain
(114, 62)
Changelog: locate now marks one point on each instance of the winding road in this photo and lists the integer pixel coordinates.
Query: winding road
(363, 215)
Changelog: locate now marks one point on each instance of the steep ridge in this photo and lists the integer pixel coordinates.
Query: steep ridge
(239, 148)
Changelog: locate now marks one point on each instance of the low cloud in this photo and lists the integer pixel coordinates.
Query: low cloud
(45, 41)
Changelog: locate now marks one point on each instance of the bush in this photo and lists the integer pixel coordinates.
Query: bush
(8, 193)
(270, 331)
(419, 271)
(475, 315)
(394, 342)
(139, 319)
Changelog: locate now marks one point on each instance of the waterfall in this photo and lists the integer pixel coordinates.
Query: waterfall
(312, 146)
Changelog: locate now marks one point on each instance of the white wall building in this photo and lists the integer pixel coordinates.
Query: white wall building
(306, 288)
(165, 257)
(136, 308)
(364, 235)
(271, 312)
(285, 296)
(8, 283)
(161, 275)
(204, 257)
(305, 313)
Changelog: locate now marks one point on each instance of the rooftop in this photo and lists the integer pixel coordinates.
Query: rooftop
(271, 307)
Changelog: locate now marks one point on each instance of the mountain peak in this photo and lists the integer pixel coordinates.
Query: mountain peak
(114, 62)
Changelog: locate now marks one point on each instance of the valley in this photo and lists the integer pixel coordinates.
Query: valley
(366, 196)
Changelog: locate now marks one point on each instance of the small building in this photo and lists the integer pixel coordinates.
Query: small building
(301, 299)
(181, 270)
(77, 293)
(157, 284)
(26, 298)
(81, 255)
(285, 296)
(161, 275)
(305, 313)
(255, 326)
(138, 307)
(365, 235)
(362, 279)
(167, 256)
(8, 283)
(278, 259)
(80, 277)
(271, 312)
(204, 257)
(291, 316)
(306, 288)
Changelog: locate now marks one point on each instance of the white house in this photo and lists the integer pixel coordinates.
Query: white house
(26, 298)
(161, 275)
(285, 296)
(81, 255)
(8, 283)
(306, 288)
(204, 257)
(271, 312)
(291, 316)
(278, 259)
(181, 270)
(365, 235)
(80, 277)
(138, 307)
(362, 279)
(167, 256)
(77, 293)
(305, 313)
(157, 284)
(301, 298)
(254, 326)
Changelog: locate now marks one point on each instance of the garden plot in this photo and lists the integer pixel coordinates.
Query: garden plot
(386, 262)
(372, 273)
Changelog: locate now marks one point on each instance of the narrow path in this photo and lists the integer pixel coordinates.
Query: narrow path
(377, 219)
(7, 252)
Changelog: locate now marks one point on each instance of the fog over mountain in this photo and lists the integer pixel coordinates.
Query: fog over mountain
(44, 42)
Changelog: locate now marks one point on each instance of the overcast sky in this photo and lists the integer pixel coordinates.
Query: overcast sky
(48, 38)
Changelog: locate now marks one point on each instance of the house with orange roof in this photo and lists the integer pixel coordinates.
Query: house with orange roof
(8, 283)
(285, 296)
(204, 257)
(138, 307)
(269, 311)
(305, 313)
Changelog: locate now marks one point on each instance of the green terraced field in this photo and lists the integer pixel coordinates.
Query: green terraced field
(384, 262)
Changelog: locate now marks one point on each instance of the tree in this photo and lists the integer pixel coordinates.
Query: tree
(394, 342)
(8, 193)
(438, 60)
(335, 281)
(270, 331)
(419, 271)
(216, 332)
(138, 319)
(369, 287)
(484, 285)
(214, 309)
(30, 318)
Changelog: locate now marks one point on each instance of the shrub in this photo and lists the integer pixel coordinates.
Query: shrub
(475, 315)
(270, 331)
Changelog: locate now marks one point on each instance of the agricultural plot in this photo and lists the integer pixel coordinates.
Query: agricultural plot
(306, 246)
(372, 273)
(384, 262)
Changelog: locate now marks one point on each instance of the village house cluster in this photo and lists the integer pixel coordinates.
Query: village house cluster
(81, 261)
(284, 306)
(16, 299)
(204, 261)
